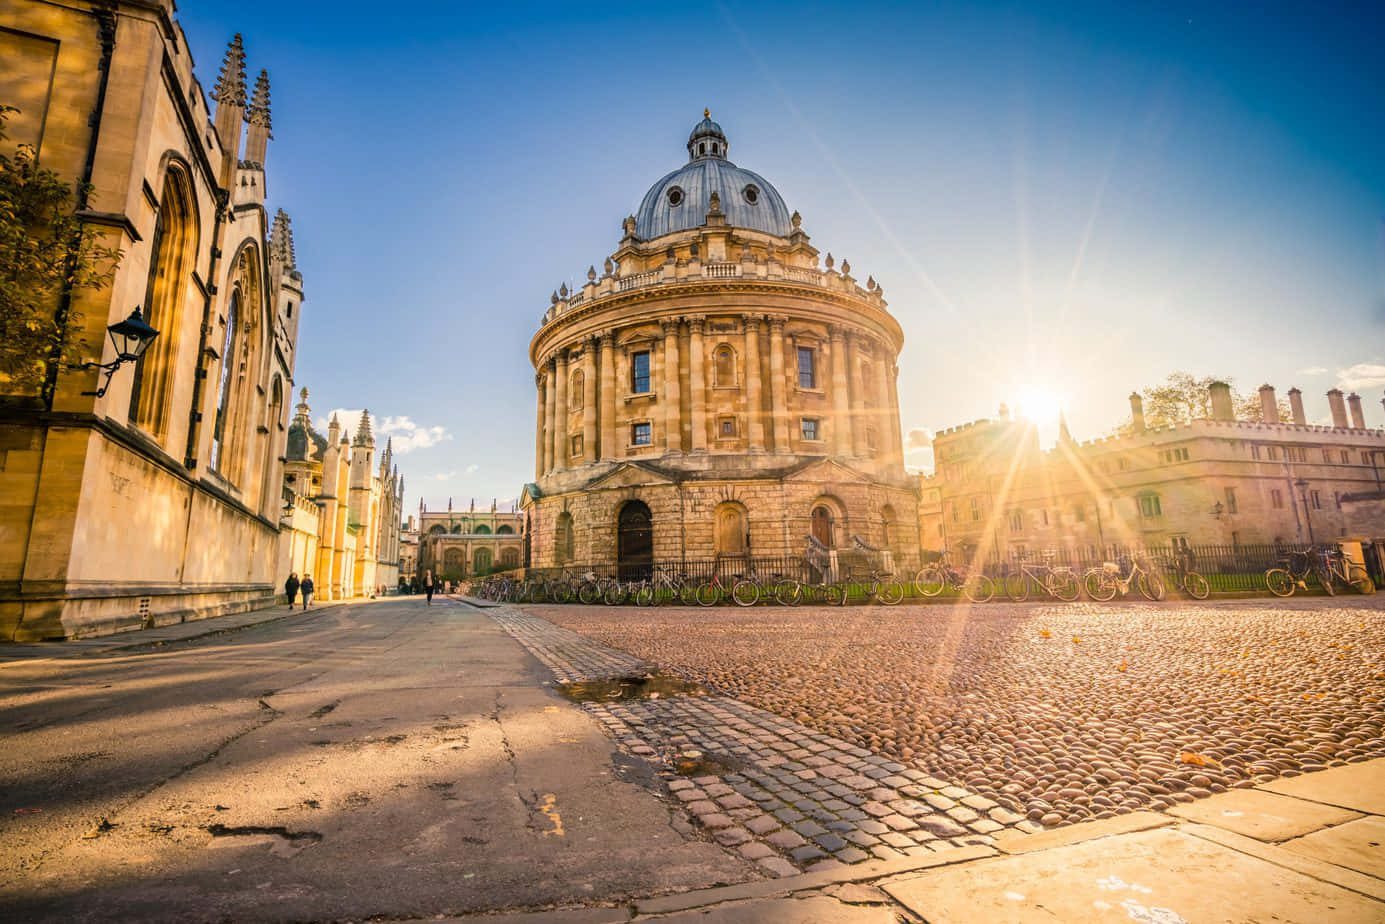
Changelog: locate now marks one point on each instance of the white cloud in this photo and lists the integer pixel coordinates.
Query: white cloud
(404, 435)
(445, 476)
(1312, 370)
(1361, 376)
(472, 469)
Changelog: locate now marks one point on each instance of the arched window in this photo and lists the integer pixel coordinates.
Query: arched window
(725, 366)
(509, 558)
(274, 423)
(574, 392)
(481, 561)
(504, 529)
(437, 530)
(172, 252)
(223, 393)
(888, 524)
(482, 529)
(454, 563)
(731, 530)
(563, 539)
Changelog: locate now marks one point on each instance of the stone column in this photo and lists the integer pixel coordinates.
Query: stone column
(538, 427)
(673, 424)
(560, 411)
(697, 384)
(779, 404)
(858, 394)
(589, 400)
(549, 415)
(841, 408)
(755, 425)
(884, 407)
(896, 447)
(610, 448)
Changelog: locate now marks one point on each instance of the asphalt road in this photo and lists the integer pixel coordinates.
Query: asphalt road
(387, 759)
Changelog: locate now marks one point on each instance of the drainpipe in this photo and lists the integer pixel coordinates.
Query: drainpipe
(106, 25)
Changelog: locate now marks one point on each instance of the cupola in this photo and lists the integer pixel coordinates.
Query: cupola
(707, 139)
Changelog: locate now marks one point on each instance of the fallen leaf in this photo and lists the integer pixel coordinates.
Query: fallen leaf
(1044, 633)
(1122, 666)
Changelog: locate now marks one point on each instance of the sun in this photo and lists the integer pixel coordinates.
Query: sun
(1039, 404)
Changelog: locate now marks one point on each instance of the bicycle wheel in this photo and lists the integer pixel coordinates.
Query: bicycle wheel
(1360, 580)
(589, 593)
(644, 595)
(708, 594)
(1280, 582)
(891, 592)
(788, 592)
(1151, 586)
(1196, 585)
(1325, 581)
(745, 593)
(1065, 585)
(1099, 585)
(978, 588)
(1017, 586)
(834, 594)
(687, 593)
(929, 582)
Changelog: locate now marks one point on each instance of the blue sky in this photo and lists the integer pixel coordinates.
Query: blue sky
(1066, 197)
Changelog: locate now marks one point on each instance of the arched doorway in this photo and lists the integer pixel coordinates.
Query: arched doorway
(824, 526)
(731, 537)
(635, 542)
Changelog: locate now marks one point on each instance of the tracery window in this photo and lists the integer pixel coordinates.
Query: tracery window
(228, 348)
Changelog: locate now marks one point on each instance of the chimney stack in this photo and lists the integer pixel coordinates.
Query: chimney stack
(1220, 393)
(1358, 414)
(1296, 407)
(1339, 408)
(1137, 412)
(1269, 407)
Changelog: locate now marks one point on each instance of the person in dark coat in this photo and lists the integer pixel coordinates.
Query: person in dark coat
(307, 590)
(428, 586)
(291, 587)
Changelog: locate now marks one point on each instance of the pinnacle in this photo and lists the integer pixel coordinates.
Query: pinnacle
(281, 240)
(258, 111)
(230, 83)
(363, 435)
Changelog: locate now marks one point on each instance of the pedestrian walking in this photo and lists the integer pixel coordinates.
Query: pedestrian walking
(307, 590)
(428, 586)
(291, 587)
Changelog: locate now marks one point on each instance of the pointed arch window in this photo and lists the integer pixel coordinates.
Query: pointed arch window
(223, 394)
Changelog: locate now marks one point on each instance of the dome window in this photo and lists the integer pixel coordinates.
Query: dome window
(751, 194)
(675, 197)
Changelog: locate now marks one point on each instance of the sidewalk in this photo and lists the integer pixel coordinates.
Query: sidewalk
(163, 635)
(1308, 849)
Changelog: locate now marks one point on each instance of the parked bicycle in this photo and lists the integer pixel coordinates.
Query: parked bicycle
(1105, 582)
(1059, 582)
(1188, 580)
(743, 591)
(882, 588)
(1328, 564)
(932, 579)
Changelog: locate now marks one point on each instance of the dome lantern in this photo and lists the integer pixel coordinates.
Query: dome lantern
(707, 139)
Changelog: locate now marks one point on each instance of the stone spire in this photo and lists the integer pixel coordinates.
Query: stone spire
(230, 83)
(229, 94)
(257, 139)
(281, 241)
(363, 435)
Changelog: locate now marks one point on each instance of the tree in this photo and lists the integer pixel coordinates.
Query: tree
(1183, 397)
(45, 249)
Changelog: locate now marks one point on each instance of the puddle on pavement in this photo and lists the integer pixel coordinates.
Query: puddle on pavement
(649, 686)
(702, 765)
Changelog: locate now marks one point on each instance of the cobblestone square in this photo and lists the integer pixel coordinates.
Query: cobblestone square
(1053, 714)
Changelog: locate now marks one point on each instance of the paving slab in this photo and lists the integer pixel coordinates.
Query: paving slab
(1355, 786)
(819, 909)
(1358, 845)
(1019, 842)
(1265, 816)
(1163, 875)
(1309, 866)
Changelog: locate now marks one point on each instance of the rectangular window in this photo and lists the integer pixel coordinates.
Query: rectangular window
(807, 367)
(577, 446)
(728, 426)
(1276, 499)
(1230, 500)
(1183, 455)
(641, 434)
(1149, 506)
(1255, 450)
(639, 373)
(1327, 456)
(1016, 521)
(810, 428)
(1317, 500)
(975, 510)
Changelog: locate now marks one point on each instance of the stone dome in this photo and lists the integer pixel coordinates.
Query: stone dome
(679, 201)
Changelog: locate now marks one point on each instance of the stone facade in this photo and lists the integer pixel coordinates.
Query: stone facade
(159, 501)
(717, 387)
(462, 544)
(1217, 481)
(352, 546)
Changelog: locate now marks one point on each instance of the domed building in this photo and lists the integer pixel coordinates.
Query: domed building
(717, 390)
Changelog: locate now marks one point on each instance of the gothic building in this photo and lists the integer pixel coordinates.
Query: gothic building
(158, 501)
(717, 389)
(341, 517)
(466, 543)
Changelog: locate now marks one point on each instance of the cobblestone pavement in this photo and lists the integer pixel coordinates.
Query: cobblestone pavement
(1058, 713)
(779, 793)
